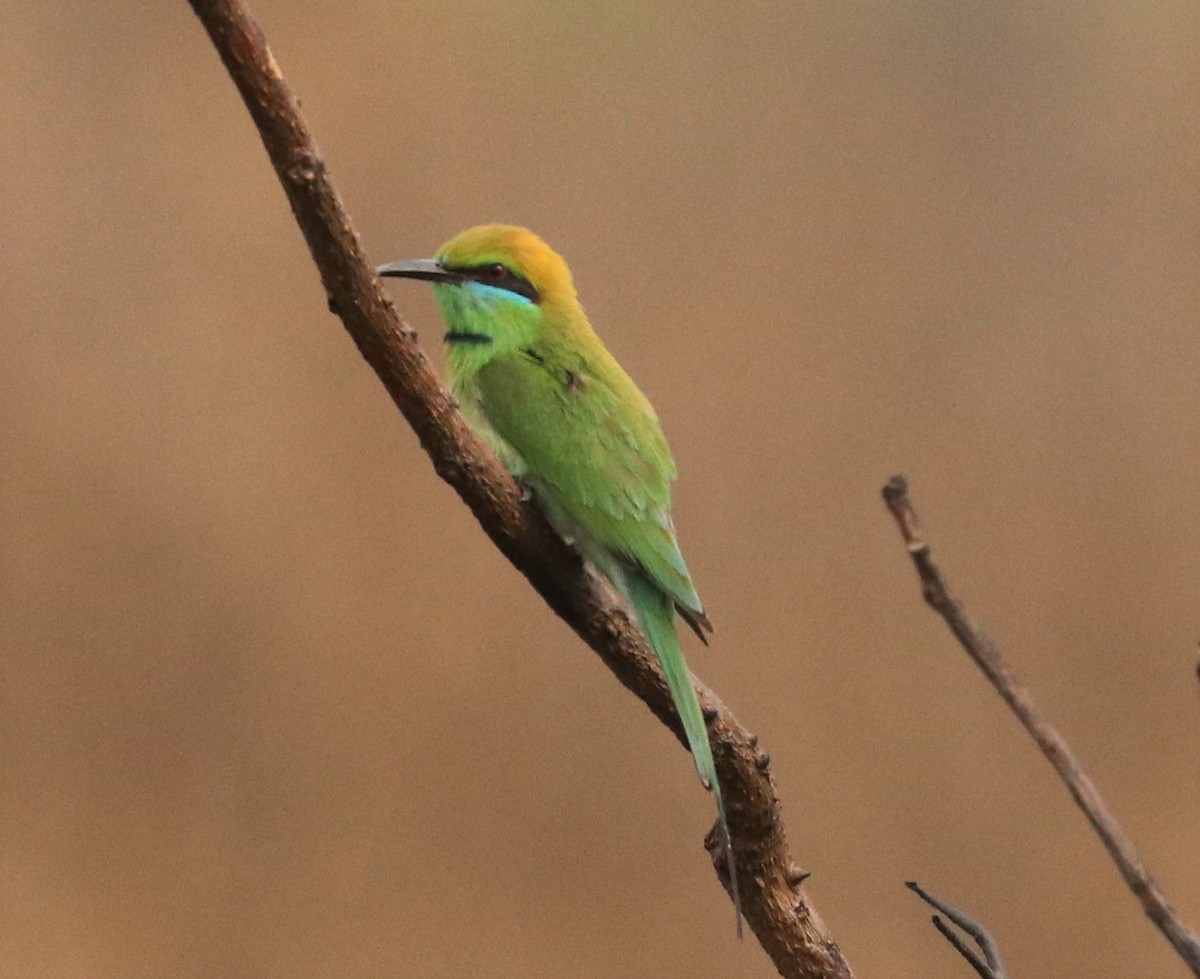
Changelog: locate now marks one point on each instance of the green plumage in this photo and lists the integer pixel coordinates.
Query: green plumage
(537, 383)
(572, 422)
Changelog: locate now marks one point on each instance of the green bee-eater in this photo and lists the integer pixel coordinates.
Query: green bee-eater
(542, 390)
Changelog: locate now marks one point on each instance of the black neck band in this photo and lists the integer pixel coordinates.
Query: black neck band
(459, 336)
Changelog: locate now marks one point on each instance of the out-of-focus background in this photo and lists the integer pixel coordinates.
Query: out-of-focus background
(271, 704)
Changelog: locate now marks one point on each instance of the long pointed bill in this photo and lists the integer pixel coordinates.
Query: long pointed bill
(428, 269)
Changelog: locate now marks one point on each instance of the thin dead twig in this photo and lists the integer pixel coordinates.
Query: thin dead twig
(988, 657)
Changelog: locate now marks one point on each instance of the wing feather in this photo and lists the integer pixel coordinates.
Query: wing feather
(590, 439)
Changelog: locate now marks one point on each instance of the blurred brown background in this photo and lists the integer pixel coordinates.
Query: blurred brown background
(271, 705)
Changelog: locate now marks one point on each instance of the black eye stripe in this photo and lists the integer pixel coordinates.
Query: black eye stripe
(498, 275)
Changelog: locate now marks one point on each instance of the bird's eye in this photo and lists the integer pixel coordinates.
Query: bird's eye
(497, 275)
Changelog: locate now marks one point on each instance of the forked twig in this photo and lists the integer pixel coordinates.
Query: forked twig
(988, 967)
(988, 657)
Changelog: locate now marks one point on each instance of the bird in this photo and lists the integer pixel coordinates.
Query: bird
(539, 386)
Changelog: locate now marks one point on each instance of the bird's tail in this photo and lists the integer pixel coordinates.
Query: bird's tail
(656, 613)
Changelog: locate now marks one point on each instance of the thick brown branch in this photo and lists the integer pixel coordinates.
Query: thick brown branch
(988, 658)
(784, 922)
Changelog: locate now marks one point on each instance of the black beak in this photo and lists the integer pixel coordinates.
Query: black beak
(428, 269)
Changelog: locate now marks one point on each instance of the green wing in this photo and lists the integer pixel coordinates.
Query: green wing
(590, 438)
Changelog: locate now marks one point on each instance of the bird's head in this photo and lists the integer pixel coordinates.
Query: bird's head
(495, 284)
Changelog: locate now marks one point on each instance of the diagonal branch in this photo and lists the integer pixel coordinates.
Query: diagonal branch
(988, 657)
(782, 919)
